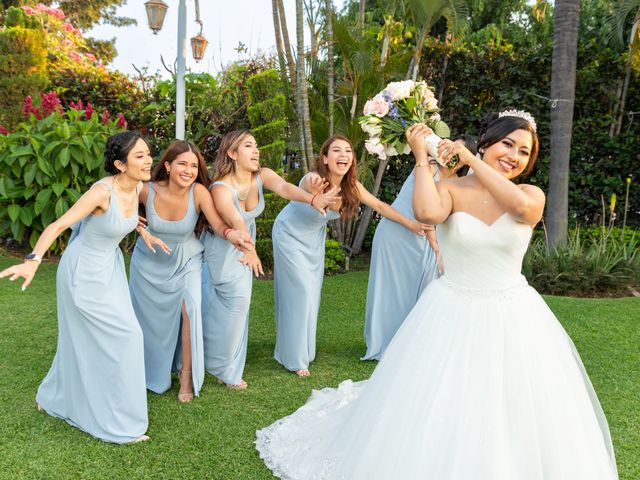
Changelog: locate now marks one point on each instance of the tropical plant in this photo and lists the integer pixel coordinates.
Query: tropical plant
(595, 266)
(47, 163)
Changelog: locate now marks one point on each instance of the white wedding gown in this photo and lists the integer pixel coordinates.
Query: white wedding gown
(481, 382)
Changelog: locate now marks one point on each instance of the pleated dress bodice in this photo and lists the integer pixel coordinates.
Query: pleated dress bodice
(483, 257)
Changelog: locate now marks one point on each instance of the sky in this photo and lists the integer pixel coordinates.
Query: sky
(226, 23)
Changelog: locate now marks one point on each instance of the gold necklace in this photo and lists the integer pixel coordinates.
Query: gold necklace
(241, 197)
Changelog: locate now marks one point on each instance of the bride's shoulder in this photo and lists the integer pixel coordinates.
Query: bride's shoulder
(456, 183)
(532, 190)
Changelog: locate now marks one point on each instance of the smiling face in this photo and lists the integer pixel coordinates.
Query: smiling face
(510, 155)
(339, 157)
(138, 165)
(183, 170)
(246, 155)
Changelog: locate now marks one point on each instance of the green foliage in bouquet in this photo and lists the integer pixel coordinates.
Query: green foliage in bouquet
(267, 115)
(45, 165)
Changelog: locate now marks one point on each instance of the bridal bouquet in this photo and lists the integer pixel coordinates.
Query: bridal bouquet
(390, 112)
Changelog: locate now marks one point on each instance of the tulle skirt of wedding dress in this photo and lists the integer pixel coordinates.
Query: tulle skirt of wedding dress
(474, 386)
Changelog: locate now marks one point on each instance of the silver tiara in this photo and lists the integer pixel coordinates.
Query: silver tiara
(521, 114)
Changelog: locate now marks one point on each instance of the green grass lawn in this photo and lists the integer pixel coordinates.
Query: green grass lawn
(212, 437)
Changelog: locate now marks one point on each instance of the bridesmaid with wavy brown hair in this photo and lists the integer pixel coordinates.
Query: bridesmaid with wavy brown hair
(166, 286)
(299, 235)
(227, 282)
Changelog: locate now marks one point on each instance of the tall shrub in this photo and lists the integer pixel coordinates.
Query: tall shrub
(267, 116)
(23, 62)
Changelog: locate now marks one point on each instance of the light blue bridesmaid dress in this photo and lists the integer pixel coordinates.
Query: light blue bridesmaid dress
(96, 381)
(226, 287)
(402, 264)
(160, 283)
(298, 235)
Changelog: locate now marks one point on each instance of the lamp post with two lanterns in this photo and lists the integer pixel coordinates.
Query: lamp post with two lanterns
(156, 10)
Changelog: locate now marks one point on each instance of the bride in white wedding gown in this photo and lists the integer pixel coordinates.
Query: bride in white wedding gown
(481, 382)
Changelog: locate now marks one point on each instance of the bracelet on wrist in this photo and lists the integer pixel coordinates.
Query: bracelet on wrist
(312, 199)
(226, 232)
(422, 164)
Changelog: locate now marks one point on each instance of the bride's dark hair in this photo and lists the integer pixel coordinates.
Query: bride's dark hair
(495, 128)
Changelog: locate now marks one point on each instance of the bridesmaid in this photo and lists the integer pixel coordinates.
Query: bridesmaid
(166, 289)
(96, 381)
(298, 250)
(402, 265)
(227, 283)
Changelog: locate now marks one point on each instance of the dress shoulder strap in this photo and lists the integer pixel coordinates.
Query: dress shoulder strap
(106, 184)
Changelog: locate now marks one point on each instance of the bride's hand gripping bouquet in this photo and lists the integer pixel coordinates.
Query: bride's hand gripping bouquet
(398, 106)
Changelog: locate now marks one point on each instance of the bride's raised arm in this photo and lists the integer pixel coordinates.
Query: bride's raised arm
(432, 203)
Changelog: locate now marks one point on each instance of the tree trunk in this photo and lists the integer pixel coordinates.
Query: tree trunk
(303, 97)
(330, 72)
(627, 74)
(563, 86)
(282, 64)
(361, 16)
(385, 47)
(287, 45)
(365, 219)
(414, 65)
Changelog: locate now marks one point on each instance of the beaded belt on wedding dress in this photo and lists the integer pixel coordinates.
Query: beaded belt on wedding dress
(503, 293)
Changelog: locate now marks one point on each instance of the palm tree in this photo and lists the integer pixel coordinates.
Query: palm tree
(287, 45)
(425, 14)
(616, 22)
(330, 70)
(566, 19)
(282, 63)
(302, 94)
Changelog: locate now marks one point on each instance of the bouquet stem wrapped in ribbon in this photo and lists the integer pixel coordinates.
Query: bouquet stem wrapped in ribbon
(398, 106)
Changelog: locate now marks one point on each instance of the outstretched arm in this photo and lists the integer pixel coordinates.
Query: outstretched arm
(95, 198)
(278, 185)
(391, 213)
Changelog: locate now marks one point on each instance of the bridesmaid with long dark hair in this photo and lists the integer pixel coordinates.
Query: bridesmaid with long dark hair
(96, 382)
(227, 283)
(166, 287)
(298, 250)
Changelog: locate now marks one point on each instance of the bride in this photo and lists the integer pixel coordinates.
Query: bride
(481, 382)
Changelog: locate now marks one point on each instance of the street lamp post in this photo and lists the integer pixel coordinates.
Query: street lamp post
(156, 10)
(182, 60)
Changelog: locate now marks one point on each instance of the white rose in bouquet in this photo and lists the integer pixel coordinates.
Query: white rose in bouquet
(374, 147)
(371, 127)
(432, 104)
(377, 106)
(399, 90)
(390, 151)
